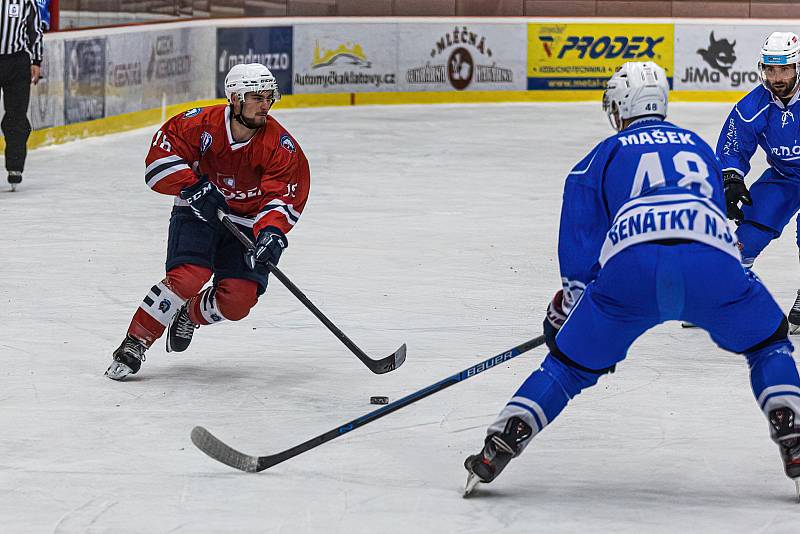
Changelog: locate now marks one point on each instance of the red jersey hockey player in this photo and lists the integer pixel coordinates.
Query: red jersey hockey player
(232, 157)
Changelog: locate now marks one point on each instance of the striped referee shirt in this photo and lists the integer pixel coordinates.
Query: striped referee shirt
(20, 29)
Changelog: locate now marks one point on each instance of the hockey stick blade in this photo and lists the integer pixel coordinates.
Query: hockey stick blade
(215, 448)
(383, 365)
(389, 363)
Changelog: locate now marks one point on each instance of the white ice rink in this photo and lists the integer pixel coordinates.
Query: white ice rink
(431, 225)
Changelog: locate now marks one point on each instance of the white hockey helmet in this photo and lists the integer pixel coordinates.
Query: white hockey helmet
(780, 48)
(250, 78)
(636, 89)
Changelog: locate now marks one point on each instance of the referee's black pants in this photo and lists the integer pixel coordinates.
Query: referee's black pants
(15, 85)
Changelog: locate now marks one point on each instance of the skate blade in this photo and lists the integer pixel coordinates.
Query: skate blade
(686, 324)
(472, 482)
(118, 371)
(13, 187)
(797, 488)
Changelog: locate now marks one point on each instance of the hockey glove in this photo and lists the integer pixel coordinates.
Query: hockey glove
(735, 192)
(205, 199)
(268, 248)
(554, 320)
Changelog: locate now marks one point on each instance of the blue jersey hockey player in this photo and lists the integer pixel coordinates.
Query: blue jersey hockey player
(647, 201)
(769, 117)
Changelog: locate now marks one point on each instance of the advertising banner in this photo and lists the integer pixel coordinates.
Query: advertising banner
(47, 97)
(719, 57)
(584, 56)
(270, 46)
(84, 79)
(474, 57)
(345, 58)
(145, 69)
(169, 69)
(124, 72)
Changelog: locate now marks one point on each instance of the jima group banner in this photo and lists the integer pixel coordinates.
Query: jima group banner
(583, 56)
(720, 57)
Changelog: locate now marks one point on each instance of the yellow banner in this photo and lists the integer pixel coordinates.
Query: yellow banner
(584, 56)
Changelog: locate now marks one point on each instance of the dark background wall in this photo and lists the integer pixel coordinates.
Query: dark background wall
(529, 8)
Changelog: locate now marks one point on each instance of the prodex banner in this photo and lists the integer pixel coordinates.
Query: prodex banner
(475, 57)
(719, 57)
(345, 58)
(584, 56)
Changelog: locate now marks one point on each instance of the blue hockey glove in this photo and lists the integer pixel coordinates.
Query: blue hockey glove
(268, 247)
(735, 192)
(205, 199)
(554, 320)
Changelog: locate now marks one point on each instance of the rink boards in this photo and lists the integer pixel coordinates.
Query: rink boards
(106, 80)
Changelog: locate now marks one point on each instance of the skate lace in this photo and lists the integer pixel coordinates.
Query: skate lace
(135, 349)
(796, 306)
(185, 328)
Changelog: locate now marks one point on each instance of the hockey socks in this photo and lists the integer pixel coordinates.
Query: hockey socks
(155, 313)
(774, 378)
(230, 300)
(542, 397)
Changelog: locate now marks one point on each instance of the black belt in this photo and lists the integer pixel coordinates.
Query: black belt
(674, 241)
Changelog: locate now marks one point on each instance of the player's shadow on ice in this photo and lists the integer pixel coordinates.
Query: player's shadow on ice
(203, 375)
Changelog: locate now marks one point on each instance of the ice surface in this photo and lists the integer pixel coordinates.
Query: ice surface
(433, 225)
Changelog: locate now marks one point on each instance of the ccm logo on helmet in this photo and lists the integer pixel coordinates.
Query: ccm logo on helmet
(608, 48)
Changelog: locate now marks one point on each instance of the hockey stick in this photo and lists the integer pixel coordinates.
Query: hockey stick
(383, 365)
(212, 446)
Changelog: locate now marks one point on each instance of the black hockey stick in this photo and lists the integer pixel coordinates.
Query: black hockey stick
(383, 365)
(212, 446)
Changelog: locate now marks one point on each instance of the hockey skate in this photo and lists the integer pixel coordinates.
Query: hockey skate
(128, 359)
(14, 179)
(794, 316)
(787, 436)
(498, 450)
(181, 330)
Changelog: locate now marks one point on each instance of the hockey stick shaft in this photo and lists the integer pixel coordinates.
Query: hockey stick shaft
(384, 365)
(218, 450)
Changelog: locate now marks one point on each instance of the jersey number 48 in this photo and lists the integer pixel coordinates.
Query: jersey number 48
(689, 165)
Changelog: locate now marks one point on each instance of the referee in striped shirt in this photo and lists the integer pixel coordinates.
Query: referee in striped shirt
(20, 59)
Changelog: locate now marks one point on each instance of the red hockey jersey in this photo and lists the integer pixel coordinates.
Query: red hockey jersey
(265, 179)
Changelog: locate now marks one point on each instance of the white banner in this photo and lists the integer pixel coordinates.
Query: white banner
(47, 97)
(719, 57)
(345, 58)
(464, 56)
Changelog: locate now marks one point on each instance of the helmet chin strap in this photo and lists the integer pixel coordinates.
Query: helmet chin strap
(242, 120)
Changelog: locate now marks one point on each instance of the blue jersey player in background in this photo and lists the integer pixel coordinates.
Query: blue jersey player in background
(644, 239)
(769, 117)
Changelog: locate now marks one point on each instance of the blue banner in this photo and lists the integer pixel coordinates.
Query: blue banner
(270, 46)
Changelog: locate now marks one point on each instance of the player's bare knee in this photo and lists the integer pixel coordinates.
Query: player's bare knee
(236, 297)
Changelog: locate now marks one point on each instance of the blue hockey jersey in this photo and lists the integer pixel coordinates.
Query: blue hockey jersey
(651, 181)
(760, 119)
